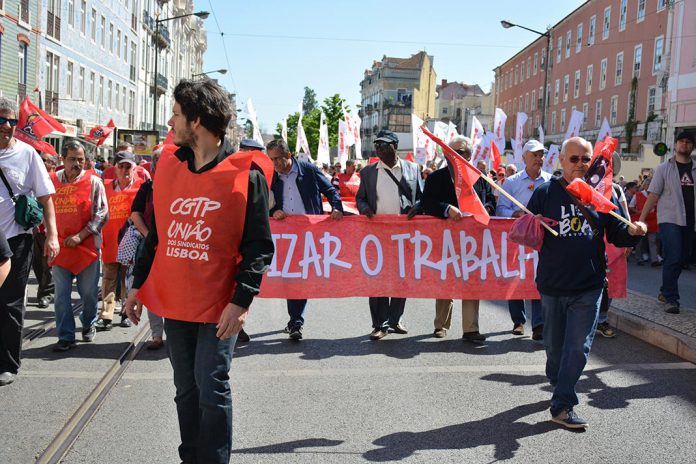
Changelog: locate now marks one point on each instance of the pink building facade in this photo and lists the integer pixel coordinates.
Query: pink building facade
(593, 56)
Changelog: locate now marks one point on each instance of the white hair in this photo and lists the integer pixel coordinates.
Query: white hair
(466, 142)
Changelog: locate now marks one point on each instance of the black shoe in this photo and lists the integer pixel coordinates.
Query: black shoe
(243, 337)
(88, 334)
(64, 345)
(671, 308)
(538, 333)
(7, 378)
(568, 418)
(296, 333)
(474, 337)
(44, 301)
(400, 329)
(103, 325)
(287, 329)
(125, 322)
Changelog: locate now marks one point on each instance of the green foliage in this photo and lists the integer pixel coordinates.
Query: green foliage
(309, 101)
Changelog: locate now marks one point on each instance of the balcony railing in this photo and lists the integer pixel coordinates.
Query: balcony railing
(161, 82)
(162, 39)
(21, 91)
(148, 21)
(52, 102)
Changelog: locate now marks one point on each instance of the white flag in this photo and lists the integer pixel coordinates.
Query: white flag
(342, 145)
(323, 148)
(476, 138)
(284, 130)
(575, 124)
(254, 121)
(518, 143)
(350, 134)
(541, 135)
(302, 144)
(451, 132)
(357, 122)
(604, 130)
(499, 129)
(423, 146)
(482, 151)
(551, 157)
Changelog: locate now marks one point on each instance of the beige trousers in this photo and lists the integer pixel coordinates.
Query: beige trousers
(109, 289)
(470, 315)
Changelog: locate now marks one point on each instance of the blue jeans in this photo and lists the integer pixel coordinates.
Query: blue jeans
(518, 315)
(296, 310)
(201, 364)
(569, 329)
(386, 312)
(676, 249)
(87, 288)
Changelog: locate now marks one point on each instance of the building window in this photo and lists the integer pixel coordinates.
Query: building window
(529, 67)
(657, 58)
(517, 69)
(641, 11)
(569, 39)
(103, 32)
(637, 58)
(556, 91)
(563, 120)
(578, 41)
(118, 94)
(118, 43)
(444, 110)
(619, 68)
(526, 102)
(661, 4)
(81, 84)
(543, 58)
(93, 30)
(101, 90)
(588, 82)
(91, 88)
(593, 28)
(534, 100)
(111, 37)
(52, 18)
(83, 16)
(536, 63)
(522, 72)
(598, 113)
(69, 80)
(576, 88)
(585, 110)
(109, 95)
(566, 87)
(622, 15)
(607, 23)
(52, 80)
(553, 122)
(71, 13)
(22, 55)
(613, 109)
(540, 102)
(603, 74)
(651, 100)
(559, 46)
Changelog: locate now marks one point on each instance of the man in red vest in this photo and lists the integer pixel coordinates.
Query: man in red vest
(203, 261)
(81, 212)
(120, 192)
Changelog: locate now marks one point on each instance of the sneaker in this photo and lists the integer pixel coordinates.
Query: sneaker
(44, 301)
(605, 330)
(538, 333)
(378, 334)
(287, 329)
(475, 337)
(400, 329)
(518, 329)
(64, 345)
(7, 378)
(568, 418)
(243, 337)
(440, 333)
(103, 325)
(296, 333)
(125, 322)
(88, 334)
(671, 308)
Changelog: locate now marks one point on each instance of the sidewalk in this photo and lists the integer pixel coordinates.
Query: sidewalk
(642, 316)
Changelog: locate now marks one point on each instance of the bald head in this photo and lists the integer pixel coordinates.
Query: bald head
(575, 157)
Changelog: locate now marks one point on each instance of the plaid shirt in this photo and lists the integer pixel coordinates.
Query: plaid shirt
(100, 206)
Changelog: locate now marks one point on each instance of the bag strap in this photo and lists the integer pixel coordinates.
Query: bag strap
(401, 187)
(7, 185)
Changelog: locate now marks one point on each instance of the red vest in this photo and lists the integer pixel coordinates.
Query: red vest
(348, 185)
(200, 223)
(73, 205)
(651, 218)
(119, 211)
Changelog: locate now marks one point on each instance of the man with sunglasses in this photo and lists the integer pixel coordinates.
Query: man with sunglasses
(389, 186)
(521, 186)
(25, 174)
(570, 276)
(120, 193)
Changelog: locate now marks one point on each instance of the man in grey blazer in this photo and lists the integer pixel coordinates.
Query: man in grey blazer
(389, 186)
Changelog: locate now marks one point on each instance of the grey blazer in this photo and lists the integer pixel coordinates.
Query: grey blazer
(366, 198)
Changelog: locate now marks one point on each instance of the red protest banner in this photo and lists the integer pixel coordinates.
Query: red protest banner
(317, 257)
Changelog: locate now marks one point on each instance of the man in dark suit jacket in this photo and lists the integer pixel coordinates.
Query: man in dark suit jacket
(390, 186)
(297, 187)
(440, 200)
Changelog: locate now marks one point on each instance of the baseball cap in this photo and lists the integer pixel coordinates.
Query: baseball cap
(124, 157)
(387, 136)
(532, 145)
(685, 135)
(251, 143)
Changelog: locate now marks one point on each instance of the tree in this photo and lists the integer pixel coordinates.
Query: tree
(309, 101)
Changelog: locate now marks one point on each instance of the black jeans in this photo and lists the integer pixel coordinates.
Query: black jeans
(12, 303)
(42, 270)
(386, 312)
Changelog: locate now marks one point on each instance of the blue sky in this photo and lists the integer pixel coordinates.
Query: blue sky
(275, 48)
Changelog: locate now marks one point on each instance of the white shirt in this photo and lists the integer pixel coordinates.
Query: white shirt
(292, 200)
(26, 174)
(388, 195)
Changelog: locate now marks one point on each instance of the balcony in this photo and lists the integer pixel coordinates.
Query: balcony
(162, 38)
(21, 91)
(52, 102)
(161, 83)
(148, 21)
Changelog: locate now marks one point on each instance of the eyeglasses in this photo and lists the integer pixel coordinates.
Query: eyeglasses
(126, 166)
(381, 143)
(575, 158)
(10, 121)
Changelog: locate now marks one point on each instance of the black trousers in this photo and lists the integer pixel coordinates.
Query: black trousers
(42, 270)
(386, 312)
(12, 303)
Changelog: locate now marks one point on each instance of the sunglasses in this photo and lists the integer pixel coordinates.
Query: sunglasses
(575, 158)
(12, 122)
(125, 166)
(381, 144)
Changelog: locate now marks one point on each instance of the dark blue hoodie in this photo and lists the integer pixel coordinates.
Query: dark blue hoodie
(573, 262)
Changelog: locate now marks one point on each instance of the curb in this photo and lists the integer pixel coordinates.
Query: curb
(654, 333)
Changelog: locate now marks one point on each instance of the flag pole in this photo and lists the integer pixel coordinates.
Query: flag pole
(516, 202)
(622, 219)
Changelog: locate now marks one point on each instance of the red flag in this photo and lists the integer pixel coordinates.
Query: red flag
(496, 155)
(465, 176)
(373, 159)
(600, 173)
(34, 124)
(409, 157)
(589, 196)
(101, 133)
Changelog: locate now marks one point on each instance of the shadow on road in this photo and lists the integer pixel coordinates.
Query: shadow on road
(290, 446)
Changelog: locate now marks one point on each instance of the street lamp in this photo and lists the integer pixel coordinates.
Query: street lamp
(547, 34)
(221, 71)
(200, 14)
